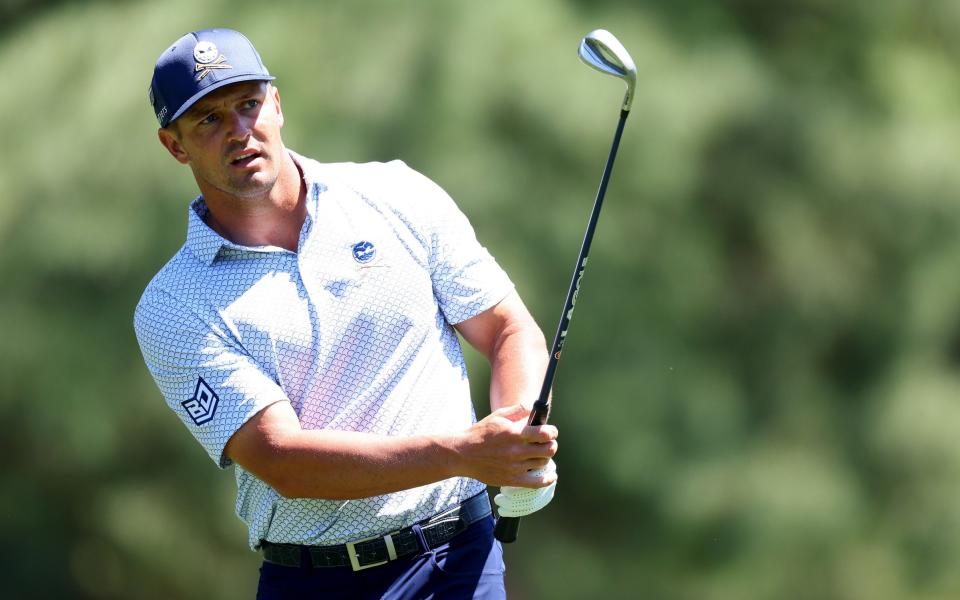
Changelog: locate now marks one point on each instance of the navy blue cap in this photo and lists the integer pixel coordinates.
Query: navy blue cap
(199, 63)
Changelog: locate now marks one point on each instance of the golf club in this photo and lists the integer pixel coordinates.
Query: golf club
(602, 51)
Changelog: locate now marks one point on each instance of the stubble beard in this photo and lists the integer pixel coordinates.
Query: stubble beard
(245, 185)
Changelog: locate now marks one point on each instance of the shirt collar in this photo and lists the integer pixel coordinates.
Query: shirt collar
(205, 243)
(312, 177)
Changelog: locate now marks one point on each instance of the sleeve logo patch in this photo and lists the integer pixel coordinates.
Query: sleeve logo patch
(203, 405)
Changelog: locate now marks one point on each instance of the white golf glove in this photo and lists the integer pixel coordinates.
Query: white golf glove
(520, 501)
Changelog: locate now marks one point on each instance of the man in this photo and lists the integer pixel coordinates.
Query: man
(305, 333)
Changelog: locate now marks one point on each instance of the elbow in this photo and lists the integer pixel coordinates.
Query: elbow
(271, 446)
(267, 459)
(285, 479)
(287, 487)
(523, 333)
(276, 468)
(291, 478)
(291, 487)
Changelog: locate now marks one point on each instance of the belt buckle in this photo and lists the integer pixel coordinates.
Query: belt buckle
(354, 559)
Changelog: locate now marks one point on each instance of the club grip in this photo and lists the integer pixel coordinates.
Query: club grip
(506, 529)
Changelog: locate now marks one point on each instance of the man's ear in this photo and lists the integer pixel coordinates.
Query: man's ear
(173, 145)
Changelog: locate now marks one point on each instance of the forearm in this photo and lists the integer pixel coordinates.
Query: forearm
(518, 361)
(341, 465)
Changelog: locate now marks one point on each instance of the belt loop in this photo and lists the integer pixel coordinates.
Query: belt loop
(306, 561)
(421, 540)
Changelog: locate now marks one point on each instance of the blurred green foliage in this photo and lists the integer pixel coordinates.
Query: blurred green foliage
(760, 393)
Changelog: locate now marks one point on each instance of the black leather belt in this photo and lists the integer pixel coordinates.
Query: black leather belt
(376, 551)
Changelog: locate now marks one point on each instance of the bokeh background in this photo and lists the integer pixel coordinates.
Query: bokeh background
(760, 395)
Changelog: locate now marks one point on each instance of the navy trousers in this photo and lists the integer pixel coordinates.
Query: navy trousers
(468, 566)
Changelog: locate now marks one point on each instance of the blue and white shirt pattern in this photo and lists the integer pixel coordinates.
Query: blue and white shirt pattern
(353, 329)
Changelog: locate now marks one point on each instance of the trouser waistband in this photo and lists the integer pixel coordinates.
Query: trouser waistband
(378, 550)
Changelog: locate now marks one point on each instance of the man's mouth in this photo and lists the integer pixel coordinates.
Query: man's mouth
(245, 158)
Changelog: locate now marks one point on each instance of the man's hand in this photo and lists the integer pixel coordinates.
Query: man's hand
(502, 450)
(520, 502)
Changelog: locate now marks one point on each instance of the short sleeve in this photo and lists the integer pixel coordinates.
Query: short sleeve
(466, 278)
(211, 384)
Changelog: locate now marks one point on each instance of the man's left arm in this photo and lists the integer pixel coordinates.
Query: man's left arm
(511, 340)
(513, 343)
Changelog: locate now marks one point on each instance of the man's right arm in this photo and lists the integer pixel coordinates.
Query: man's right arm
(340, 465)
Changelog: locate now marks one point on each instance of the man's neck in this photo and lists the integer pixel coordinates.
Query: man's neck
(273, 220)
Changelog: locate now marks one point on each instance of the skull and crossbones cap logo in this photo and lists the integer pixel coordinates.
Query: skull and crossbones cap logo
(199, 63)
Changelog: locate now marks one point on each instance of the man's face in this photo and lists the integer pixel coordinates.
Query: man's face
(231, 139)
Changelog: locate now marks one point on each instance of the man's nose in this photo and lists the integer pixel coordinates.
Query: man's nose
(238, 125)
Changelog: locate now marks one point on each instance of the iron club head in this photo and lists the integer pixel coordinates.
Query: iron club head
(604, 52)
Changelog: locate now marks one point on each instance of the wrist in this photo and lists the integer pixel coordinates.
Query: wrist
(449, 450)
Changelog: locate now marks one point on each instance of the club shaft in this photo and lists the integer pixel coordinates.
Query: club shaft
(506, 527)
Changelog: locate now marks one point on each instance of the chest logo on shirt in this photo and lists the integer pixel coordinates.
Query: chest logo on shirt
(203, 405)
(364, 252)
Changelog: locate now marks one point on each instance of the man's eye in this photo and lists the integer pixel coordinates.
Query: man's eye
(252, 103)
(211, 118)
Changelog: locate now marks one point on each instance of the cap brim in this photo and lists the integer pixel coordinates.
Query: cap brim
(193, 99)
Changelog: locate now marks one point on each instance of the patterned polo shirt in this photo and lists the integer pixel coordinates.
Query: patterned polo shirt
(353, 329)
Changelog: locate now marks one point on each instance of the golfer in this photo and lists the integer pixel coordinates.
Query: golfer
(306, 334)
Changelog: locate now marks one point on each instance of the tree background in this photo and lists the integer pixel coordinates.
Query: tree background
(760, 394)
